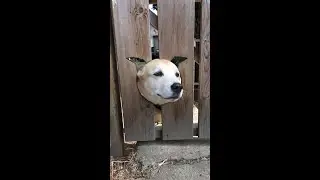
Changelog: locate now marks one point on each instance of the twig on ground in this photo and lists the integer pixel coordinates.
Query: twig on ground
(160, 164)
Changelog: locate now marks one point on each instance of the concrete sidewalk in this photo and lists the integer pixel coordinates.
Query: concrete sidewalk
(175, 160)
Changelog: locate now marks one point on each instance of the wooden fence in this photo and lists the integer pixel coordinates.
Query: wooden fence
(176, 29)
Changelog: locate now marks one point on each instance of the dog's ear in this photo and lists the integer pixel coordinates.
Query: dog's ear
(177, 60)
(137, 61)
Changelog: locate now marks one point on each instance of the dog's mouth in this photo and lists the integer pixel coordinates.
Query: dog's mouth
(172, 97)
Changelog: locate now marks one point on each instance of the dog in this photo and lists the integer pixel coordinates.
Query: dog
(159, 80)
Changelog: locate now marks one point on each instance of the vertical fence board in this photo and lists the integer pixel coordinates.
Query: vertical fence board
(204, 79)
(115, 108)
(176, 38)
(131, 28)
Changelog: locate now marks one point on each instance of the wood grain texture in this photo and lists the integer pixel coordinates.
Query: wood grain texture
(176, 38)
(204, 79)
(131, 27)
(115, 107)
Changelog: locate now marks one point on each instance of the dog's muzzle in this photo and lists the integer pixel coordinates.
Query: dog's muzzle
(176, 88)
(175, 96)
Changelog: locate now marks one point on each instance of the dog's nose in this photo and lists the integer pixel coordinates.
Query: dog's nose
(176, 87)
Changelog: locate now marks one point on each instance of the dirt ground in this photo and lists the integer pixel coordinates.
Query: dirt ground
(126, 168)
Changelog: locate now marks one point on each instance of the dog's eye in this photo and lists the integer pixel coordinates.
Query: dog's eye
(158, 73)
(177, 74)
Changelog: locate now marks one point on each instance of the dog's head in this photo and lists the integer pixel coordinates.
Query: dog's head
(159, 80)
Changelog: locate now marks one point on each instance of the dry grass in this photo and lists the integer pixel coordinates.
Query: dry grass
(126, 168)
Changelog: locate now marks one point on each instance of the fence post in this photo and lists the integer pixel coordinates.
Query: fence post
(176, 38)
(116, 137)
(204, 79)
(131, 23)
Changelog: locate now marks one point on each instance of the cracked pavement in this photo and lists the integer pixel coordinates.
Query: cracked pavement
(166, 160)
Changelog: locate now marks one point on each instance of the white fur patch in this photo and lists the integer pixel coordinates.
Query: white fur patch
(157, 89)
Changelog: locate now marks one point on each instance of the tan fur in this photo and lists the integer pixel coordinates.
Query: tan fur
(159, 81)
(145, 75)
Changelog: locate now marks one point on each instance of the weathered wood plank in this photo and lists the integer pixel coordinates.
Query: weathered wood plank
(176, 38)
(131, 27)
(204, 79)
(116, 139)
(159, 131)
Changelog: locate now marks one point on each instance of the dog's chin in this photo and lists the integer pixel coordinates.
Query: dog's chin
(176, 98)
(173, 98)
